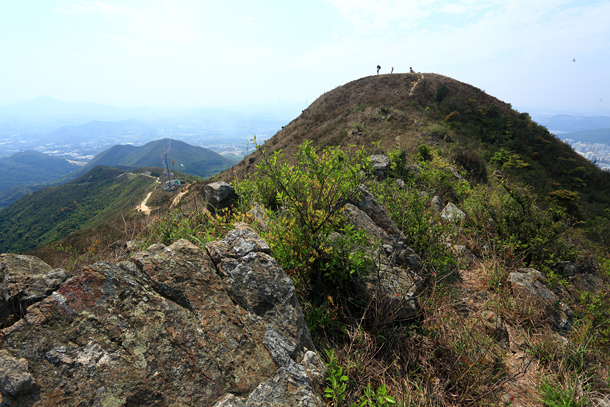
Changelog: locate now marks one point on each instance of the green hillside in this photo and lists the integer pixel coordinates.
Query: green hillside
(31, 168)
(52, 213)
(469, 126)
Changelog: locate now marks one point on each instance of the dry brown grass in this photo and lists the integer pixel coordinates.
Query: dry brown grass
(331, 118)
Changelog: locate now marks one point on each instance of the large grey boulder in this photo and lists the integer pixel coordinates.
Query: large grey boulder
(530, 285)
(361, 221)
(219, 195)
(381, 165)
(585, 282)
(394, 287)
(15, 378)
(367, 202)
(452, 213)
(567, 268)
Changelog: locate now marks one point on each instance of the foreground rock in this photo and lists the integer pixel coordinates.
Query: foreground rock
(169, 327)
(24, 280)
(396, 274)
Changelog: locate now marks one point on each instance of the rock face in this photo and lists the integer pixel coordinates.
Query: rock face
(172, 326)
(396, 274)
(452, 213)
(381, 164)
(219, 195)
(24, 280)
(530, 285)
(367, 202)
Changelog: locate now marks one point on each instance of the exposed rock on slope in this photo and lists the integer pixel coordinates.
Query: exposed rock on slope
(24, 280)
(172, 326)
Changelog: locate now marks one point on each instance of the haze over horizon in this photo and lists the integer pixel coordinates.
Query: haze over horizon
(549, 55)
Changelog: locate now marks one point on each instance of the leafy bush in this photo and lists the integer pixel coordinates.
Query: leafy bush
(562, 394)
(441, 94)
(335, 391)
(426, 235)
(424, 153)
(509, 218)
(307, 199)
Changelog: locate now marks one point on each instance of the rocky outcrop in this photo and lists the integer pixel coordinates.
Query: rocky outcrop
(436, 203)
(219, 195)
(452, 213)
(24, 280)
(360, 220)
(367, 202)
(530, 285)
(396, 273)
(567, 268)
(381, 165)
(171, 326)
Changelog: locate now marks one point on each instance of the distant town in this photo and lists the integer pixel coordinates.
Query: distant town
(595, 152)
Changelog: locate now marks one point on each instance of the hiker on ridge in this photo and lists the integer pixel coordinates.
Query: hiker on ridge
(411, 70)
(378, 68)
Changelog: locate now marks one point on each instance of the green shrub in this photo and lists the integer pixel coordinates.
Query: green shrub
(337, 381)
(509, 218)
(441, 94)
(307, 199)
(425, 234)
(424, 153)
(398, 160)
(562, 394)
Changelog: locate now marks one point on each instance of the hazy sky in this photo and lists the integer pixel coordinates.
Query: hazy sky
(232, 52)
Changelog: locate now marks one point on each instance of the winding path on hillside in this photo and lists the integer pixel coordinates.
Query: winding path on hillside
(143, 207)
(420, 77)
(179, 196)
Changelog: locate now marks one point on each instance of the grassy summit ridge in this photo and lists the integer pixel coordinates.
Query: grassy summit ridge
(405, 110)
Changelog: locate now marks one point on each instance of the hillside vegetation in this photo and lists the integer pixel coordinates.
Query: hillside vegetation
(417, 302)
(49, 214)
(474, 130)
(30, 168)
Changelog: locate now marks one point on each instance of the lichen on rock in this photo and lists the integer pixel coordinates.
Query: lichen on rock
(171, 326)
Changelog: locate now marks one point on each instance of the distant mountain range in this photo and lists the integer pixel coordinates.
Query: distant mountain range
(47, 114)
(181, 156)
(589, 136)
(101, 129)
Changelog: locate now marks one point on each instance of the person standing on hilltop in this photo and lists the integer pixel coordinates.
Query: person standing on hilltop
(392, 70)
(411, 70)
(378, 68)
